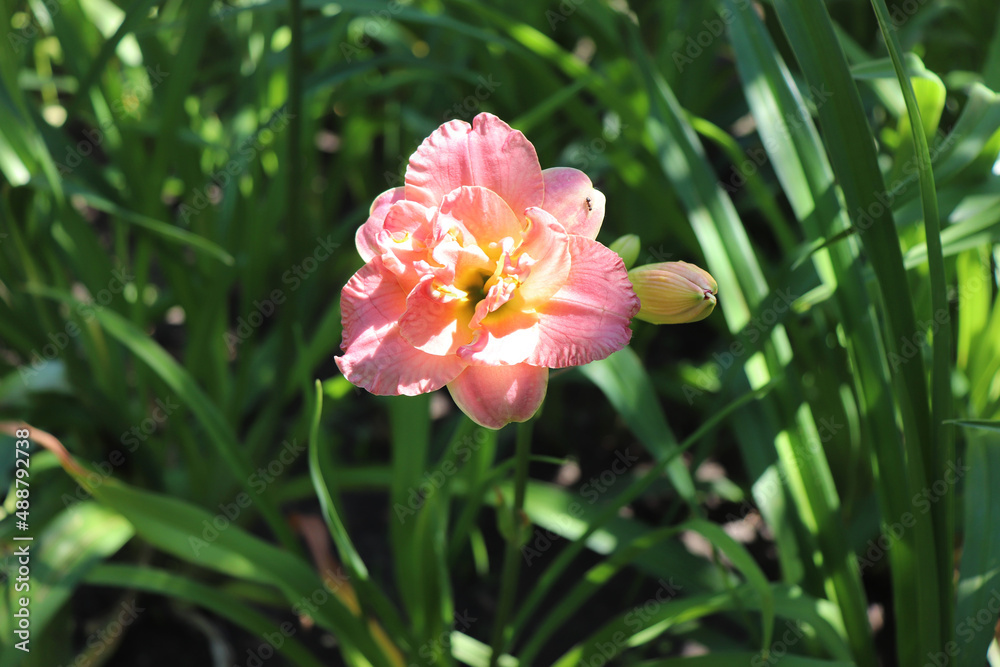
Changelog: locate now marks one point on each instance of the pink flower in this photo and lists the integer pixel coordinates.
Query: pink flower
(482, 273)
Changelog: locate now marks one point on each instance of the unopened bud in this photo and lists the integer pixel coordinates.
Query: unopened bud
(627, 247)
(673, 292)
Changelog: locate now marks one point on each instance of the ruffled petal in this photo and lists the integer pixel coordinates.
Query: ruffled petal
(547, 243)
(365, 238)
(588, 319)
(402, 242)
(437, 317)
(489, 153)
(465, 267)
(376, 357)
(480, 212)
(504, 337)
(572, 199)
(494, 396)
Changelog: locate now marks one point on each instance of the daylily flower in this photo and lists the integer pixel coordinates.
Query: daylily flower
(673, 292)
(481, 274)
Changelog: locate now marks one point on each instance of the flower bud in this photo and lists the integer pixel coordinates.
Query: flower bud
(673, 292)
(627, 247)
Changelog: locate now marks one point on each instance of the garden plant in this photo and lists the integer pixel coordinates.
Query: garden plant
(441, 332)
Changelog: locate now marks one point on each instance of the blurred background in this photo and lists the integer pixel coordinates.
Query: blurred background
(180, 183)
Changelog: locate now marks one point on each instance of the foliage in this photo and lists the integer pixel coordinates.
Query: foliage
(180, 182)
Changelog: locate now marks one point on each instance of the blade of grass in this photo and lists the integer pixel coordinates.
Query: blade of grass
(368, 593)
(740, 660)
(161, 582)
(940, 450)
(848, 141)
(189, 393)
(410, 429)
(979, 571)
(188, 532)
(627, 386)
(566, 556)
(723, 238)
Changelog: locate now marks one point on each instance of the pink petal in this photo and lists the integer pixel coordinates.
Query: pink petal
(547, 243)
(566, 193)
(376, 357)
(402, 242)
(589, 317)
(364, 239)
(497, 295)
(489, 153)
(480, 212)
(434, 322)
(494, 396)
(505, 337)
(465, 267)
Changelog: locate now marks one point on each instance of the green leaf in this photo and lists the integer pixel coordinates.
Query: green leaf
(740, 660)
(940, 449)
(191, 534)
(368, 593)
(983, 424)
(627, 386)
(163, 230)
(219, 433)
(602, 530)
(979, 570)
(848, 141)
(160, 582)
(75, 541)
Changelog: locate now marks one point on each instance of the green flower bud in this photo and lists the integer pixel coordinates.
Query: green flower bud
(673, 292)
(627, 247)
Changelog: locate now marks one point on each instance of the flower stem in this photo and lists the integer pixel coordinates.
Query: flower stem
(512, 557)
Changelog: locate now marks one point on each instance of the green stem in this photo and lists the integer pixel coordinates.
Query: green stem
(512, 557)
